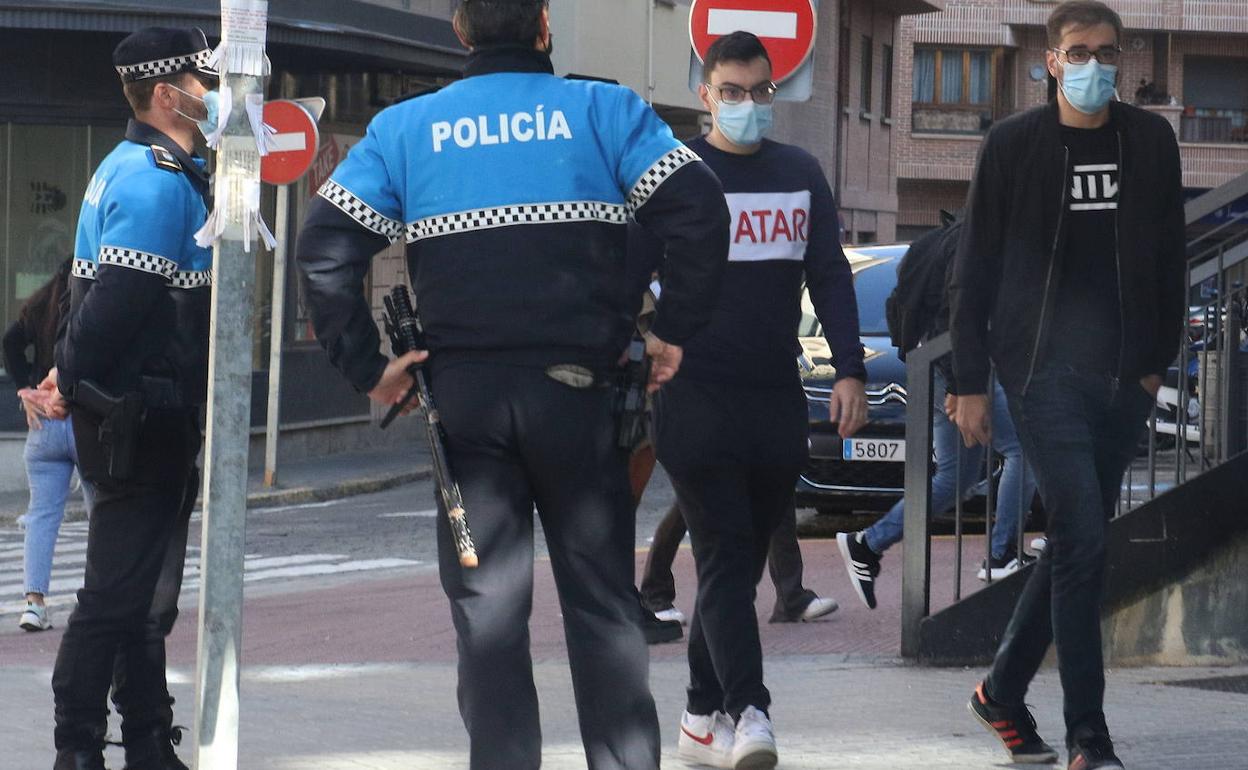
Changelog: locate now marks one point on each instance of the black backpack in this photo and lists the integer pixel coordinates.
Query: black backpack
(916, 308)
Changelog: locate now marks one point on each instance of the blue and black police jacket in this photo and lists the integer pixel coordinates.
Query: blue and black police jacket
(140, 288)
(512, 189)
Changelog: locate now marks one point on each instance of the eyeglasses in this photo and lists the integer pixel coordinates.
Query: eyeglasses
(763, 93)
(1109, 54)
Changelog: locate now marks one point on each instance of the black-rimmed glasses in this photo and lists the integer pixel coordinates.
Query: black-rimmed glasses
(1109, 54)
(729, 93)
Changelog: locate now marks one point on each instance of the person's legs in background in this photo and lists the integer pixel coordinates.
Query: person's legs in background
(49, 468)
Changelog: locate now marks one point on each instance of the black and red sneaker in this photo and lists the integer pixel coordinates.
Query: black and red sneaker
(1094, 753)
(1014, 726)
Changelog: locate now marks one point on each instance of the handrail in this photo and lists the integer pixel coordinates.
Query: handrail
(1219, 197)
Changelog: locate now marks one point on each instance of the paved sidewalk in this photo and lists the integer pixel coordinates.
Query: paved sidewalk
(327, 686)
(299, 481)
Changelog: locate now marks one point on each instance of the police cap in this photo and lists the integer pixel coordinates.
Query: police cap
(154, 52)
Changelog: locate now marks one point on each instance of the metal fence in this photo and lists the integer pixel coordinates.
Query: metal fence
(1199, 421)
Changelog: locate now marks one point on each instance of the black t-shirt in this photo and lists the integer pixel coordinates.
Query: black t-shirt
(784, 229)
(1087, 324)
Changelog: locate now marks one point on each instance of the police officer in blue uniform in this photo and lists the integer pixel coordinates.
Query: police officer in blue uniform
(132, 365)
(512, 189)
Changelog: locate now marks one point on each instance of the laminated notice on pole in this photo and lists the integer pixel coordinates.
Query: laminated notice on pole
(243, 32)
(226, 108)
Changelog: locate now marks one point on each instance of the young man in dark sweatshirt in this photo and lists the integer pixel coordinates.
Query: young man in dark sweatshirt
(731, 427)
(1069, 279)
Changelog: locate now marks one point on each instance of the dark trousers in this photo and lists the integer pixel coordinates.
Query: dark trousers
(518, 440)
(784, 564)
(136, 548)
(733, 454)
(1079, 432)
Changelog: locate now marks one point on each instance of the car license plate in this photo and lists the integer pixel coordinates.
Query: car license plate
(874, 450)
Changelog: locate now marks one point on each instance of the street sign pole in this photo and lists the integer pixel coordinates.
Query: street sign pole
(217, 699)
(276, 337)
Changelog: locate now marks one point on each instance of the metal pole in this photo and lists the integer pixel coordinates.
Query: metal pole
(276, 337)
(229, 401)
(917, 547)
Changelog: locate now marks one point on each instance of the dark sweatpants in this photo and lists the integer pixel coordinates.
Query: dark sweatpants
(518, 440)
(733, 454)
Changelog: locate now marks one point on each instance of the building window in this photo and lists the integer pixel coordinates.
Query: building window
(886, 83)
(867, 66)
(1215, 97)
(953, 89)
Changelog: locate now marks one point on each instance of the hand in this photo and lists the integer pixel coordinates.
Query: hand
(951, 407)
(52, 403)
(395, 381)
(847, 406)
(30, 406)
(1151, 384)
(665, 361)
(972, 420)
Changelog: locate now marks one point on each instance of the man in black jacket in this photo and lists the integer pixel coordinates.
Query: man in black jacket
(1069, 278)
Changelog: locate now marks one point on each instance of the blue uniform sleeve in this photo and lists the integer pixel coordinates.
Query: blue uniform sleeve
(143, 234)
(363, 187)
(647, 153)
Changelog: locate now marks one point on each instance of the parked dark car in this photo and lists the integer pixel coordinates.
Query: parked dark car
(867, 472)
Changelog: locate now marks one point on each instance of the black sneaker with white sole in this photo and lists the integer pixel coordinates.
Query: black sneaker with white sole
(861, 563)
(1013, 726)
(1003, 566)
(1094, 753)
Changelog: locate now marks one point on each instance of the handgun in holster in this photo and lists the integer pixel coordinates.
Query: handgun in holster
(630, 397)
(120, 418)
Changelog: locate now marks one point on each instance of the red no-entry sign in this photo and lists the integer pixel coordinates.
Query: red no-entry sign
(786, 27)
(294, 143)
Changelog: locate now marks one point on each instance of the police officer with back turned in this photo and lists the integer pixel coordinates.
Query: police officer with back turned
(512, 189)
(132, 364)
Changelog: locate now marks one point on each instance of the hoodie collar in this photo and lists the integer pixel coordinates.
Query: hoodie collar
(489, 59)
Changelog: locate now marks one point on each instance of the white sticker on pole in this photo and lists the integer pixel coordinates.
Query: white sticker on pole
(244, 29)
(777, 24)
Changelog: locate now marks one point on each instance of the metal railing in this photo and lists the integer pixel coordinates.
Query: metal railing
(1199, 421)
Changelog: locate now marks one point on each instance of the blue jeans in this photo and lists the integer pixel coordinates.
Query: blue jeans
(1080, 432)
(50, 461)
(1014, 494)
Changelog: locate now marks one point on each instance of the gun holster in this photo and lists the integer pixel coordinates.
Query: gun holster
(119, 418)
(630, 398)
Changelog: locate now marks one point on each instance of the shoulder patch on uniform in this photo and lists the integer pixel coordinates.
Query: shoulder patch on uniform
(592, 78)
(165, 159)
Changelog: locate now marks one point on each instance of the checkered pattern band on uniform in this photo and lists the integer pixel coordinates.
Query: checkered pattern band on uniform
(191, 279)
(138, 260)
(657, 175)
(179, 279)
(162, 67)
(521, 214)
(361, 212)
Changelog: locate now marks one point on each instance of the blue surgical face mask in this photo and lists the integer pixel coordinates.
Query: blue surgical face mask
(212, 105)
(1088, 87)
(744, 124)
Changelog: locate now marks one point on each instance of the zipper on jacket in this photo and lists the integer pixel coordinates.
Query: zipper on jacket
(1048, 281)
(1122, 308)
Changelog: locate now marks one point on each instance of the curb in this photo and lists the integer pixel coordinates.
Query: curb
(295, 495)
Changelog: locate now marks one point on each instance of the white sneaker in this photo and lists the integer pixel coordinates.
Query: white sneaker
(706, 740)
(819, 607)
(35, 618)
(671, 613)
(1039, 544)
(754, 746)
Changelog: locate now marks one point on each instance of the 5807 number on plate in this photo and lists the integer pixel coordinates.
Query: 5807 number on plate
(874, 449)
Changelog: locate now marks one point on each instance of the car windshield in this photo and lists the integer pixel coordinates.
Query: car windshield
(875, 275)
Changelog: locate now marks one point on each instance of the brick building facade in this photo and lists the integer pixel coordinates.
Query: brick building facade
(982, 60)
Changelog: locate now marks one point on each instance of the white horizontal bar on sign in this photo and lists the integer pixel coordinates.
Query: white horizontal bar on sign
(778, 24)
(292, 142)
